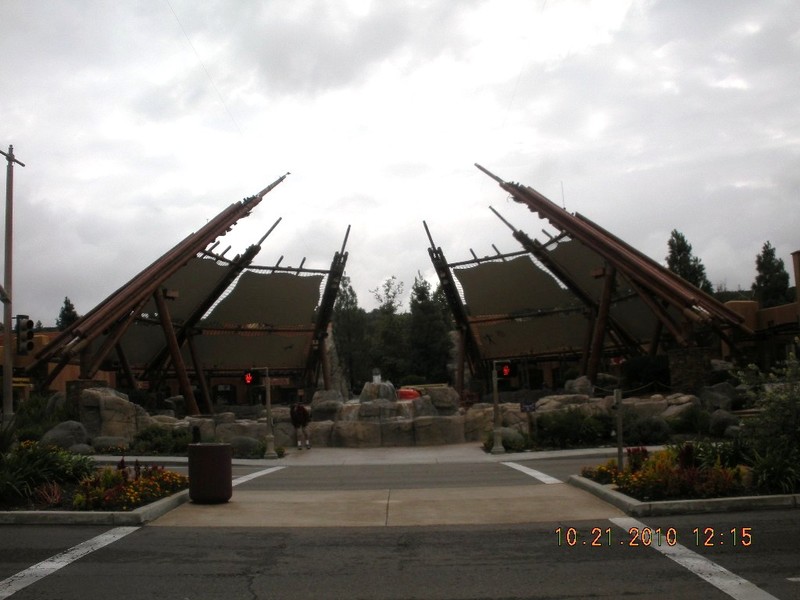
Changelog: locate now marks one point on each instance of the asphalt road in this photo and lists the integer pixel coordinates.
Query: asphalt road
(598, 558)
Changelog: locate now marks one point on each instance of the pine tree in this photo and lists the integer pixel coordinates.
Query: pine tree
(771, 287)
(67, 316)
(429, 335)
(349, 328)
(681, 262)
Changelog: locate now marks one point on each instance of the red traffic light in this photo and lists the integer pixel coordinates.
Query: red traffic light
(505, 369)
(248, 377)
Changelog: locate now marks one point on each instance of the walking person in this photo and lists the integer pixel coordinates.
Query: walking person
(301, 416)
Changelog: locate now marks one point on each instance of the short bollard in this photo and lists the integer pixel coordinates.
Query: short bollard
(210, 473)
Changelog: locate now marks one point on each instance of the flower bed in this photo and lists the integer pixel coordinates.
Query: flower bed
(36, 477)
(676, 473)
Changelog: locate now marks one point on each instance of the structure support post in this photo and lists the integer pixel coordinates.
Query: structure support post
(497, 446)
(600, 323)
(270, 452)
(201, 376)
(175, 352)
(461, 352)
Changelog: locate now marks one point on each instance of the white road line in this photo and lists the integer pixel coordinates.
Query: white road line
(49, 566)
(722, 579)
(245, 478)
(543, 477)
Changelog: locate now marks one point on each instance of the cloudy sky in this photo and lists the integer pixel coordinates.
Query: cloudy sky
(140, 120)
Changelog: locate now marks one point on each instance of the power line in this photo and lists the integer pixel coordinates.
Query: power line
(208, 75)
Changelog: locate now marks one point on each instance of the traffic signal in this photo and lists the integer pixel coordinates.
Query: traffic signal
(24, 334)
(505, 369)
(250, 377)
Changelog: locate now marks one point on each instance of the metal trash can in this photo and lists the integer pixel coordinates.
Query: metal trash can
(210, 473)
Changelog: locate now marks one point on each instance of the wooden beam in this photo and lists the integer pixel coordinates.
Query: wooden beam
(175, 353)
(200, 374)
(601, 323)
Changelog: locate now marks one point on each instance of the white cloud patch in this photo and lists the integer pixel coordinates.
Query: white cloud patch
(137, 126)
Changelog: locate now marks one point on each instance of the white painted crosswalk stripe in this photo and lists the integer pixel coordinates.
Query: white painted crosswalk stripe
(543, 477)
(40, 570)
(722, 579)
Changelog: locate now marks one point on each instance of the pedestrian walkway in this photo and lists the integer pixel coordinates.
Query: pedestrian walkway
(531, 501)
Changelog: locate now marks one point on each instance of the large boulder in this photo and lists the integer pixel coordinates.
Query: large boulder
(320, 433)
(356, 434)
(581, 385)
(65, 435)
(444, 398)
(376, 410)
(646, 407)
(241, 428)
(106, 412)
(478, 421)
(560, 401)
(397, 432)
(437, 431)
(325, 405)
(423, 407)
(374, 391)
(722, 395)
(206, 428)
(721, 420)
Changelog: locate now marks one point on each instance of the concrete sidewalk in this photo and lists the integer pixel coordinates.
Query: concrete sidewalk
(579, 499)
(525, 503)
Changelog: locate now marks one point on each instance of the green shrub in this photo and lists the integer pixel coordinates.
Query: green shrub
(32, 419)
(694, 421)
(160, 440)
(774, 435)
(30, 465)
(647, 430)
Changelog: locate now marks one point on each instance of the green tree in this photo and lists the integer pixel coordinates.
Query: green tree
(388, 340)
(774, 434)
(771, 287)
(349, 331)
(67, 316)
(429, 335)
(681, 262)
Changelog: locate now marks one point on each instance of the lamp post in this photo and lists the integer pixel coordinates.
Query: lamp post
(270, 452)
(8, 352)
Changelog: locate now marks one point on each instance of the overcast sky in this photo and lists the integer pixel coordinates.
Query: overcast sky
(139, 121)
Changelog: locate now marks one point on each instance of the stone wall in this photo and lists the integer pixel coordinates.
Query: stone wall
(378, 418)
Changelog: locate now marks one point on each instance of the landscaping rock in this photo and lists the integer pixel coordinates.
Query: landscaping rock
(325, 405)
(356, 434)
(397, 432)
(246, 447)
(228, 431)
(65, 435)
(320, 433)
(373, 391)
(443, 398)
(83, 449)
(478, 422)
(581, 385)
(720, 421)
(435, 431)
(205, 425)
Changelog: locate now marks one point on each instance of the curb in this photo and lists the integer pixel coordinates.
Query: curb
(139, 516)
(637, 508)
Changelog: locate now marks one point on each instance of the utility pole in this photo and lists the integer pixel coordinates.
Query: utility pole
(8, 351)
